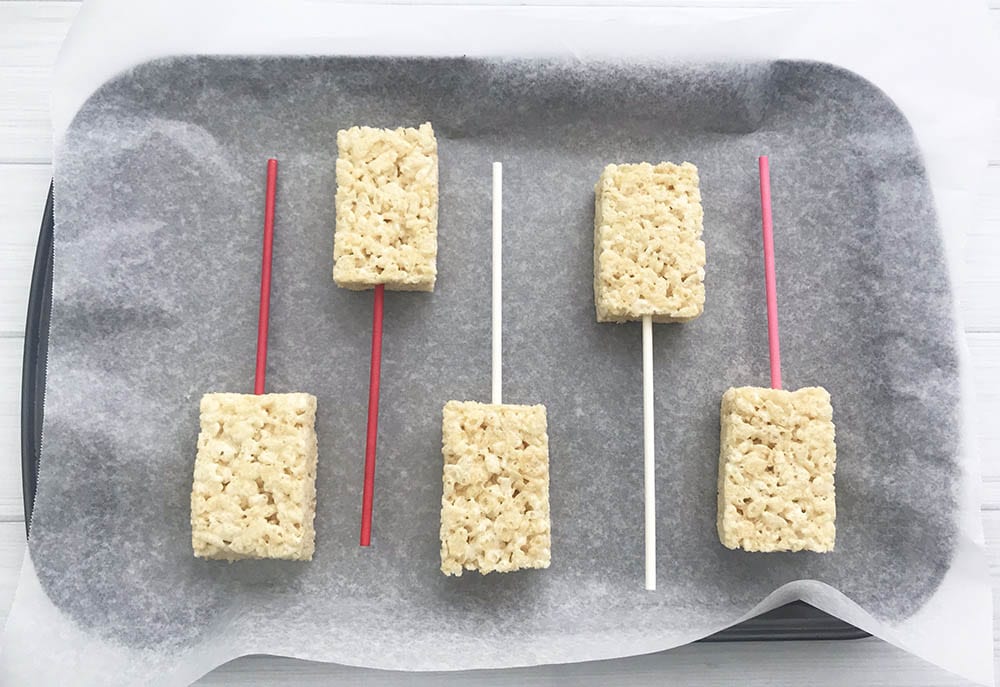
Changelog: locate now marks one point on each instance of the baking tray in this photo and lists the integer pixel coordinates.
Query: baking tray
(794, 621)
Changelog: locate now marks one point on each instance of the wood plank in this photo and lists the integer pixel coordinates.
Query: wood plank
(11, 552)
(22, 201)
(984, 353)
(29, 42)
(21, 205)
(989, 197)
(34, 31)
(15, 280)
(11, 503)
(981, 279)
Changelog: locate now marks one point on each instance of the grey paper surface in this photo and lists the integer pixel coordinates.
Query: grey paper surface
(159, 212)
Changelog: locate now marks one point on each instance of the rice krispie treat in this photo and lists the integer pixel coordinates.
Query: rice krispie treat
(495, 507)
(387, 209)
(776, 468)
(649, 258)
(254, 493)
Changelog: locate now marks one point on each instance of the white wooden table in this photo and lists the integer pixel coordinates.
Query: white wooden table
(30, 35)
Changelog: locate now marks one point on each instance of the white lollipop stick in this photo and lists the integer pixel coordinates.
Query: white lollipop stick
(648, 451)
(497, 283)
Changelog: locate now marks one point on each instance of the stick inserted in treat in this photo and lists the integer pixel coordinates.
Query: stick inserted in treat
(371, 439)
(648, 451)
(778, 452)
(263, 315)
(649, 266)
(385, 239)
(497, 313)
(773, 345)
(254, 489)
(495, 500)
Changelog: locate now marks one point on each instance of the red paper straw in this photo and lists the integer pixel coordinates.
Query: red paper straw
(774, 347)
(265, 277)
(373, 384)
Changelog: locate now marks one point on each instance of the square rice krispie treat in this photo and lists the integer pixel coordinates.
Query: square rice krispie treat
(776, 470)
(387, 209)
(254, 493)
(495, 507)
(649, 258)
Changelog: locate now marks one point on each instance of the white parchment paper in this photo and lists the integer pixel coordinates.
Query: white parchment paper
(71, 627)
